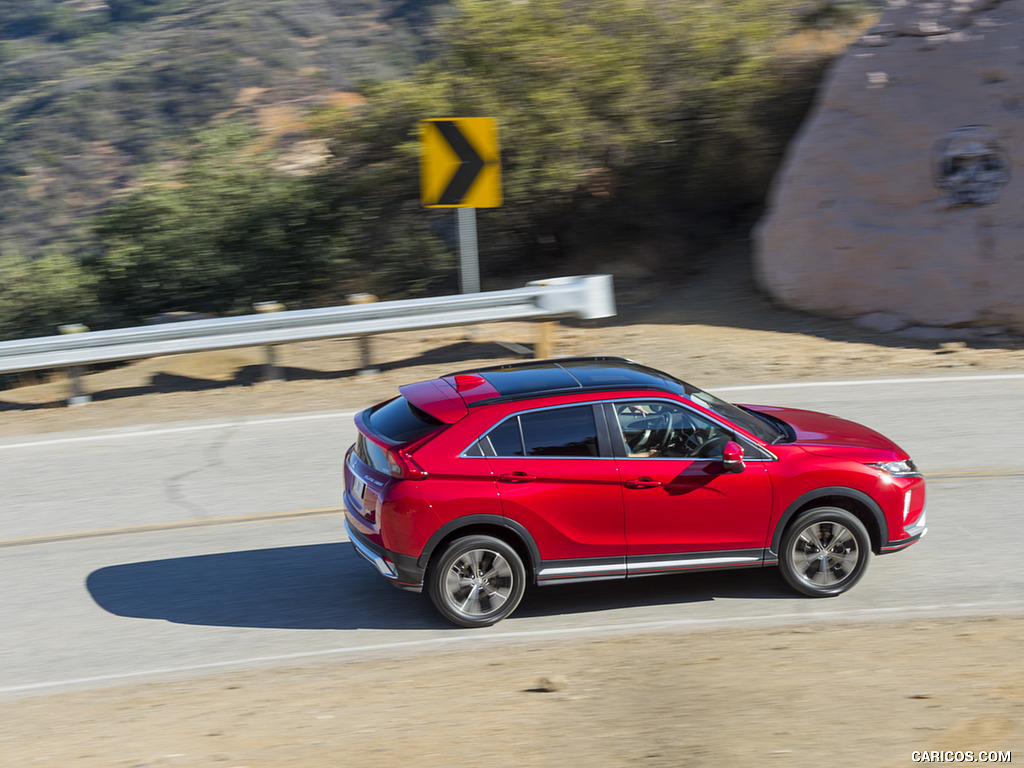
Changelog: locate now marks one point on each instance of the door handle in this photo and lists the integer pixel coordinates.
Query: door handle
(643, 482)
(516, 477)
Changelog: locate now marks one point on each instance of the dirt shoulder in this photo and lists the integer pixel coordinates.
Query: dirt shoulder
(710, 327)
(860, 695)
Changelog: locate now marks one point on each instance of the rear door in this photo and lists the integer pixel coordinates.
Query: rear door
(556, 476)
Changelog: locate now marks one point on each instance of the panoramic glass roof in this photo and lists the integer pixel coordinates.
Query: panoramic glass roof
(568, 375)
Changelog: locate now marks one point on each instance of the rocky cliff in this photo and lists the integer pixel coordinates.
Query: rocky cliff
(898, 202)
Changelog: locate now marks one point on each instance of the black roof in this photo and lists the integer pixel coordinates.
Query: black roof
(575, 373)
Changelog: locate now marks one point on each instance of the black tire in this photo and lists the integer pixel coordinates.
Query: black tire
(477, 581)
(824, 552)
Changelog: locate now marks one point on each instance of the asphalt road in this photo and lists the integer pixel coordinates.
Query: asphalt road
(176, 548)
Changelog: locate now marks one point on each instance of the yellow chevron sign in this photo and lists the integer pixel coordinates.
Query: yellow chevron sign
(460, 166)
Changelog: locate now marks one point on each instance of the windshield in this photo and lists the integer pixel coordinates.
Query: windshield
(760, 427)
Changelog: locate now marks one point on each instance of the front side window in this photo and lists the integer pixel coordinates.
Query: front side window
(655, 428)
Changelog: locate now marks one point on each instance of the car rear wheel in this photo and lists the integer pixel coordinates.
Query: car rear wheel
(477, 581)
(824, 552)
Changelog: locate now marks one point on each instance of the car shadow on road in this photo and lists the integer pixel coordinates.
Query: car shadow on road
(327, 586)
(317, 586)
(678, 589)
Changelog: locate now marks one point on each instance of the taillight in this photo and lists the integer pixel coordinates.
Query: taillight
(402, 466)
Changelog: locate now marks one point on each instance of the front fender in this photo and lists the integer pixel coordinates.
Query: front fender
(879, 534)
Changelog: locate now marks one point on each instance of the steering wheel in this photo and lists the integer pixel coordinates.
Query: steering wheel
(693, 445)
(660, 422)
(661, 426)
(666, 421)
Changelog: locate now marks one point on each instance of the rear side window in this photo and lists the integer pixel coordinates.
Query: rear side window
(400, 421)
(557, 432)
(560, 432)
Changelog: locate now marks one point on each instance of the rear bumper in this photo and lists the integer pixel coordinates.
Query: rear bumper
(400, 570)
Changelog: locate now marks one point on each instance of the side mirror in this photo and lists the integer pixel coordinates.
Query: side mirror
(732, 457)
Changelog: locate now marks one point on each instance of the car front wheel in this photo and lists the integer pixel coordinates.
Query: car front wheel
(477, 581)
(824, 552)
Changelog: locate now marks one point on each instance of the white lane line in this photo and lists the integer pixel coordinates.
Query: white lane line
(177, 525)
(951, 610)
(143, 432)
(873, 382)
(117, 435)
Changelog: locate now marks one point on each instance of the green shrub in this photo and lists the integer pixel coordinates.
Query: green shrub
(37, 296)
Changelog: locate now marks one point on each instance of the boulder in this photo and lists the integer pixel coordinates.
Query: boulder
(897, 197)
(884, 322)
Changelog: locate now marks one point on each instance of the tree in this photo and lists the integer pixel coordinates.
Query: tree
(227, 231)
(37, 296)
(618, 118)
(608, 110)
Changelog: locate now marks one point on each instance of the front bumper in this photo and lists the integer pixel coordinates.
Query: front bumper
(917, 532)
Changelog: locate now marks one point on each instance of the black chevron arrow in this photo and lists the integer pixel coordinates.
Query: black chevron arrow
(470, 163)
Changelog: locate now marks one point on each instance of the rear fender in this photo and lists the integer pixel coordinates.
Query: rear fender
(509, 530)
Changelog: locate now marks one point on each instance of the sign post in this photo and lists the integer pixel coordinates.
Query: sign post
(469, 262)
(460, 168)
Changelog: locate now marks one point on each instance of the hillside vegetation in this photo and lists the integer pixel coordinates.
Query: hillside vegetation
(160, 155)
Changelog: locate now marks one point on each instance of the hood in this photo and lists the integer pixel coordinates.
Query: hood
(821, 431)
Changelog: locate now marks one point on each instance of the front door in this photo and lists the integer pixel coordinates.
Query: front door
(683, 510)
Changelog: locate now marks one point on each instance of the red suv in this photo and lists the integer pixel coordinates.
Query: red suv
(480, 482)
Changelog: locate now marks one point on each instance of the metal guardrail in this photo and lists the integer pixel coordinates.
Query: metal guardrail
(586, 296)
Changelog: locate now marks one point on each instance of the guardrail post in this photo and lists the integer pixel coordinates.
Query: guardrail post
(76, 393)
(270, 370)
(545, 345)
(366, 366)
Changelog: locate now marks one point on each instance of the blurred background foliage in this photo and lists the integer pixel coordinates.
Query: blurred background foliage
(162, 155)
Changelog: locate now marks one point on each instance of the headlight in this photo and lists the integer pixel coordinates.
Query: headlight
(898, 468)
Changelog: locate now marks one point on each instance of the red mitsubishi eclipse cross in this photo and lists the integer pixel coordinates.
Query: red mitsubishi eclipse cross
(481, 482)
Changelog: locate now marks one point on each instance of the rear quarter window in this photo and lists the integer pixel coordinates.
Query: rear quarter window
(506, 439)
